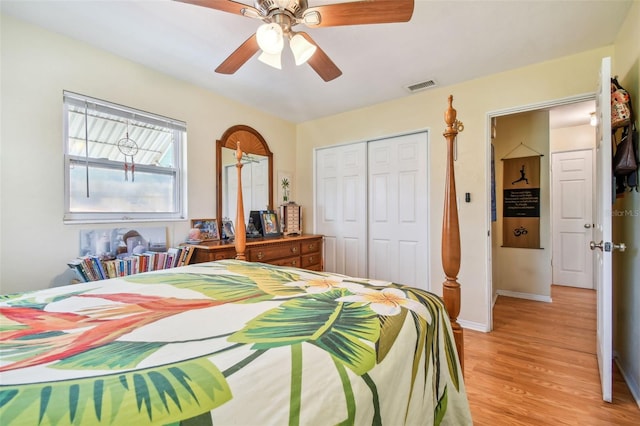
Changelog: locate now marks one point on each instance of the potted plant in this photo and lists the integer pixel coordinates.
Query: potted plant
(285, 190)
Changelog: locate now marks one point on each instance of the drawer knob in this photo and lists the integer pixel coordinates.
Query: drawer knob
(294, 262)
(312, 246)
(311, 259)
(260, 255)
(294, 249)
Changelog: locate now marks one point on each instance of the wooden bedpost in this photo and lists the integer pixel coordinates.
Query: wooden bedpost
(451, 233)
(241, 234)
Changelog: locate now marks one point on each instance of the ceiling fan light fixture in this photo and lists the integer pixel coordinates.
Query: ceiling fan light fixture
(272, 59)
(270, 38)
(301, 48)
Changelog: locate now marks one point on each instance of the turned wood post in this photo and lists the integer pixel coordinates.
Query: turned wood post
(241, 235)
(451, 234)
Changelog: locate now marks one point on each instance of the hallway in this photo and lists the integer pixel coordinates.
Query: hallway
(538, 366)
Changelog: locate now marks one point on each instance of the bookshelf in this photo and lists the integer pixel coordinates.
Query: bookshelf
(93, 268)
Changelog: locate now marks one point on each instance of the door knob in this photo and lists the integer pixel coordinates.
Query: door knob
(587, 225)
(607, 246)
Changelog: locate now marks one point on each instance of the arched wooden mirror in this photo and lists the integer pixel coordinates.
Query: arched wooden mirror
(257, 172)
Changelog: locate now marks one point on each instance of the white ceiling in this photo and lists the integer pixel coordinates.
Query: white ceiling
(445, 41)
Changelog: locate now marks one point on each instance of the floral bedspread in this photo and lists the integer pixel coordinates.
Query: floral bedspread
(229, 342)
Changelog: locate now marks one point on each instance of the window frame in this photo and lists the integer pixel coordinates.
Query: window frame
(179, 130)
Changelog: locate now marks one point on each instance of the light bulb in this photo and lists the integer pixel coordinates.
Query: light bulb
(302, 49)
(270, 38)
(271, 59)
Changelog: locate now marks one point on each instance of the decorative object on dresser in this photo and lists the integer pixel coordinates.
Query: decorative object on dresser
(265, 223)
(208, 229)
(228, 231)
(291, 218)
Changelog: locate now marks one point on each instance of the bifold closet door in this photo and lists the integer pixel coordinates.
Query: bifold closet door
(398, 210)
(341, 207)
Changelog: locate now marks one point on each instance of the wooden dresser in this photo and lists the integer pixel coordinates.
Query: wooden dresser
(302, 251)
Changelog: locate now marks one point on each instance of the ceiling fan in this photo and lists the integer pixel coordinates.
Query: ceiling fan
(280, 16)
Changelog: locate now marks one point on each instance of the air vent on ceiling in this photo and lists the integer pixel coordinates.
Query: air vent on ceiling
(423, 85)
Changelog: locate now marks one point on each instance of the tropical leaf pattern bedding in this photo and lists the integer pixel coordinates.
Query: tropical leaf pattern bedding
(229, 342)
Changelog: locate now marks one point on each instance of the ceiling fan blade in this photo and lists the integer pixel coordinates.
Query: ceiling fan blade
(223, 5)
(241, 55)
(321, 63)
(362, 12)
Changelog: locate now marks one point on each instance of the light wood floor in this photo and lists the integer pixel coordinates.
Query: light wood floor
(539, 367)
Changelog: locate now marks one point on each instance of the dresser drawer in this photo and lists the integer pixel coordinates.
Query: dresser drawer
(290, 261)
(268, 254)
(310, 246)
(228, 254)
(201, 256)
(311, 260)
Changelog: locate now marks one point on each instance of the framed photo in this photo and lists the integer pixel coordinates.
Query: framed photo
(269, 222)
(228, 231)
(208, 229)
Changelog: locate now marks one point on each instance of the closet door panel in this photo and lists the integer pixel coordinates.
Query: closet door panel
(380, 260)
(398, 209)
(341, 191)
(329, 246)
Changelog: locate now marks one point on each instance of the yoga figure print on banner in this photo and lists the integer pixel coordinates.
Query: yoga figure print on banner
(521, 202)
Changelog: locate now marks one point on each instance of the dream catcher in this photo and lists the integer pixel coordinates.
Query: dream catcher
(128, 147)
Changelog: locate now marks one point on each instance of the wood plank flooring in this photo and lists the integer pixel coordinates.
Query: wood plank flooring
(538, 366)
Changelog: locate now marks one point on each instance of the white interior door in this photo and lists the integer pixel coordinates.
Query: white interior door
(398, 210)
(601, 244)
(572, 173)
(341, 207)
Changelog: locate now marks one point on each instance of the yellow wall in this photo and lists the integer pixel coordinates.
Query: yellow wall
(566, 77)
(37, 66)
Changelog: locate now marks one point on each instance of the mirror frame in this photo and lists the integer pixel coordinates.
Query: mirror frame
(251, 142)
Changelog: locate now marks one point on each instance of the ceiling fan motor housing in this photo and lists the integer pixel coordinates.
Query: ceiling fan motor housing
(294, 7)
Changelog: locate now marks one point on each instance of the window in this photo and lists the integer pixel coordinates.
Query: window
(121, 163)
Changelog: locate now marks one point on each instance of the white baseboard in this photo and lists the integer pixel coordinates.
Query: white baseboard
(493, 302)
(529, 296)
(633, 386)
(477, 326)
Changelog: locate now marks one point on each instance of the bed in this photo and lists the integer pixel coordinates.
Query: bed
(232, 342)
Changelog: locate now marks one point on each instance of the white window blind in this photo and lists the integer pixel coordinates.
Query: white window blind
(121, 164)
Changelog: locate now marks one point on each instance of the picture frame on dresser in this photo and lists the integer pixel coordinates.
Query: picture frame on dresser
(228, 230)
(208, 229)
(269, 224)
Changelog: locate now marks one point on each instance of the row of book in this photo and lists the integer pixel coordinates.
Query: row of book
(92, 268)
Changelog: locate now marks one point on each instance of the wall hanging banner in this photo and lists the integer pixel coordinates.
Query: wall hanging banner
(521, 202)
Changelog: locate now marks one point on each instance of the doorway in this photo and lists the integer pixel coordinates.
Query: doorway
(519, 132)
(572, 218)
